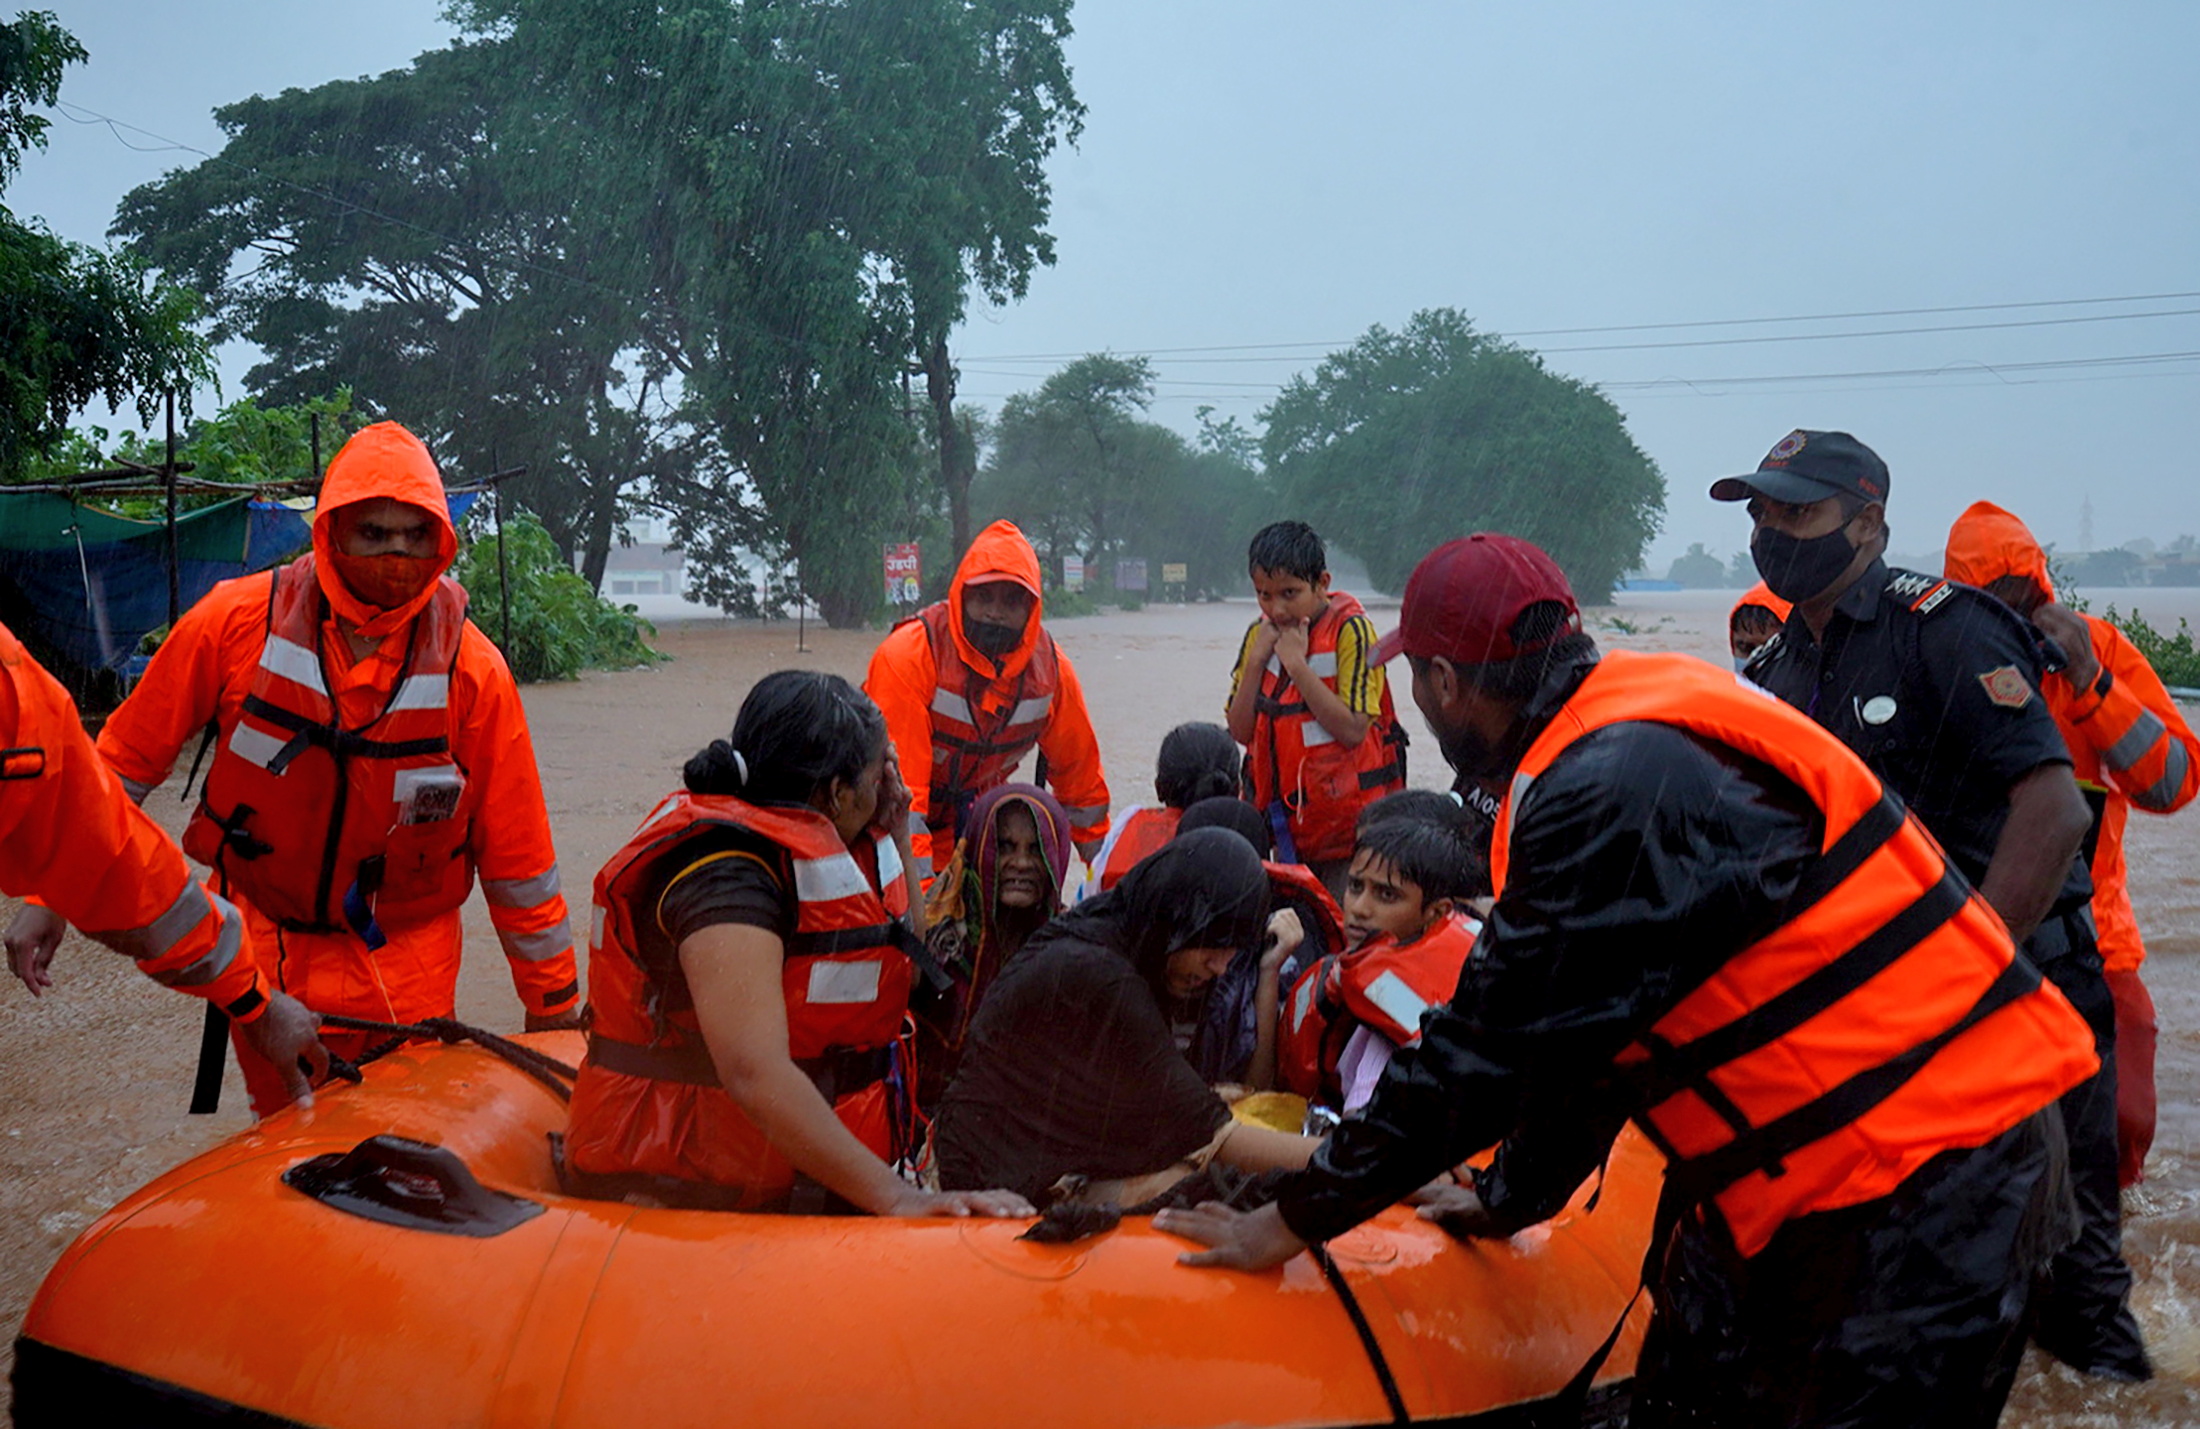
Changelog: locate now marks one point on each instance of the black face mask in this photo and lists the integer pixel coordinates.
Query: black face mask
(1796, 569)
(993, 640)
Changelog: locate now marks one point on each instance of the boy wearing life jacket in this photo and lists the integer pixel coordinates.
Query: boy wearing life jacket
(1408, 936)
(1310, 704)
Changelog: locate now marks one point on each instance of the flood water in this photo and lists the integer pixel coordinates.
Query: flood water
(93, 1078)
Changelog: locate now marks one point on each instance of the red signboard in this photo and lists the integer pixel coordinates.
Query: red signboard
(904, 573)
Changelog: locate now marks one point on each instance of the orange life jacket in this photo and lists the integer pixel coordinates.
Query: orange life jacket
(1321, 784)
(972, 750)
(648, 1101)
(1383, 984)
(324, 827)
(1142, 832)
(1887, 1018)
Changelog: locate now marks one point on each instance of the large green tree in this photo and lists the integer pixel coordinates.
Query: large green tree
(75, 323)
(406, 235)
(1406, 439)
(818, 185)
(1077, 465)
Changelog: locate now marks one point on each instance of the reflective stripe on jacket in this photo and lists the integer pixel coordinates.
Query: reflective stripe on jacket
(72, 838)
(1382, 984)
(1886, 1020)
(1322, 784)
(648, 1101)
(304, 815)
(1136, 834)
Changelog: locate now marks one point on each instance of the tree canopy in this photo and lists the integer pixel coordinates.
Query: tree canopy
(1407, 439)
(75, 323)
(699, 246)
(1078, 467)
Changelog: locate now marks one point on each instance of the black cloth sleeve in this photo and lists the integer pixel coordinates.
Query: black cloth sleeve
(730, 878)
(1070, 1068)
(1641, 860)
(1988, 665)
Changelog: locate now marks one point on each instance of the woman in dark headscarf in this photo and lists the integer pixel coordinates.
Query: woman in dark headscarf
(1002, 885)
(1071, 1068)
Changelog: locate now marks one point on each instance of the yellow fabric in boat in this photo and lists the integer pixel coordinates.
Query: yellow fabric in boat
(1277, 1111)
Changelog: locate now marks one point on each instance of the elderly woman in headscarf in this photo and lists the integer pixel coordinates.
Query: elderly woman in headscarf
(1003, 883)
(1072, 1070)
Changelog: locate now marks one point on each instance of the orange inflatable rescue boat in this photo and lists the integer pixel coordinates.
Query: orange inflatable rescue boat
(390, 1283)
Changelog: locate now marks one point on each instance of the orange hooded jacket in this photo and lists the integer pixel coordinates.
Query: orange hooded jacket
(907, 682)
(1760, 595)
(2125, 735)
(70, 837)
(209, 665)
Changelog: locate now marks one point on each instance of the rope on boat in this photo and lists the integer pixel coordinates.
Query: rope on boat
(549, 1071)
(1375, 1356)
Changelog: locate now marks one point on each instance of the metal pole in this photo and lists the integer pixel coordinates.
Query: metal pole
(801, 612)
(168, 478)
(316, 472)
(504, 564)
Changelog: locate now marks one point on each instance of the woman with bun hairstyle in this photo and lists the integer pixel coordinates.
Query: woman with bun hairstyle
(750, 974)
(1198, 761)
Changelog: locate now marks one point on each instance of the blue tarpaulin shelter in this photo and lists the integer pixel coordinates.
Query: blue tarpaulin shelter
(83, 587)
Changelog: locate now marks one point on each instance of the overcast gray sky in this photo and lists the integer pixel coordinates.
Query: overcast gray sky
(1265, 180)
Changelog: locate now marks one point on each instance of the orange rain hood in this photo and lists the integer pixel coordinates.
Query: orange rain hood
(381, 460)
(1761, 596)
(1987, 543)
(1000, 552)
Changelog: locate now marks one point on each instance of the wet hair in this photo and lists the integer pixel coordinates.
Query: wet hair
(1288, 548)
(1225, 811)
(1198, 761)
(1428, 839)
(797, 732)
(2021, 594)
(1752, 614)
(1516, 681)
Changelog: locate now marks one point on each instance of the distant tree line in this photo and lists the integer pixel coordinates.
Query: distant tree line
(1389, 448)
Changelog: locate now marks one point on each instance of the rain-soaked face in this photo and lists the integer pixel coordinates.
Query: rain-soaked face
(1750, 630)
(1379, 899)
(853, 806)
(384, 550)
(1022, 881)
(1191, 969)
(995, 614)
(1289, 599)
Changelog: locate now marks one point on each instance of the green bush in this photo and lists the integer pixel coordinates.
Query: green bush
(1066, 604)
(559, 625)
(1131, 601)
(2173, 657)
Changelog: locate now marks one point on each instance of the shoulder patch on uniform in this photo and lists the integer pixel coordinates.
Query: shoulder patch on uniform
(2007, 687)
(1926, 603)
(1911, 584)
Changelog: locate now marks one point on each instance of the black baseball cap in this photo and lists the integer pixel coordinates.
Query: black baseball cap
(1810, 466)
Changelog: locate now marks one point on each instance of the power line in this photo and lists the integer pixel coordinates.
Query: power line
(1306, 350)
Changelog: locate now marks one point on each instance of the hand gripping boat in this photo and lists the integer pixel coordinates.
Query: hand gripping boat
(387, 1288)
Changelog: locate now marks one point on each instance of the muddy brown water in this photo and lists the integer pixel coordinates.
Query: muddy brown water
(94, 1077)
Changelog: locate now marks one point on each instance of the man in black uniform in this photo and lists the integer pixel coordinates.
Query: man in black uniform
(1936, 686)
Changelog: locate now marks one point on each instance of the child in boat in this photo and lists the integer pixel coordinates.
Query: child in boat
(750, 977)
(1413, 869)
(1756, 618)
(1309, 702)
(1003, 883)
(1071, 1070)
(1198, 761)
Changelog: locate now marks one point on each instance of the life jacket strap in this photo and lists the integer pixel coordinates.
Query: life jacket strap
(1702, 1177)
(341, 742)
(836, 1073)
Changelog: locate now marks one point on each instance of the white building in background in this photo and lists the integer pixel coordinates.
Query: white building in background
(650, 574)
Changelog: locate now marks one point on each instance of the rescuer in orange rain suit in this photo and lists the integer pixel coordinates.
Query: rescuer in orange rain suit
(970, 684)
(2130, 749)
(371, 758)
(70, 837)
